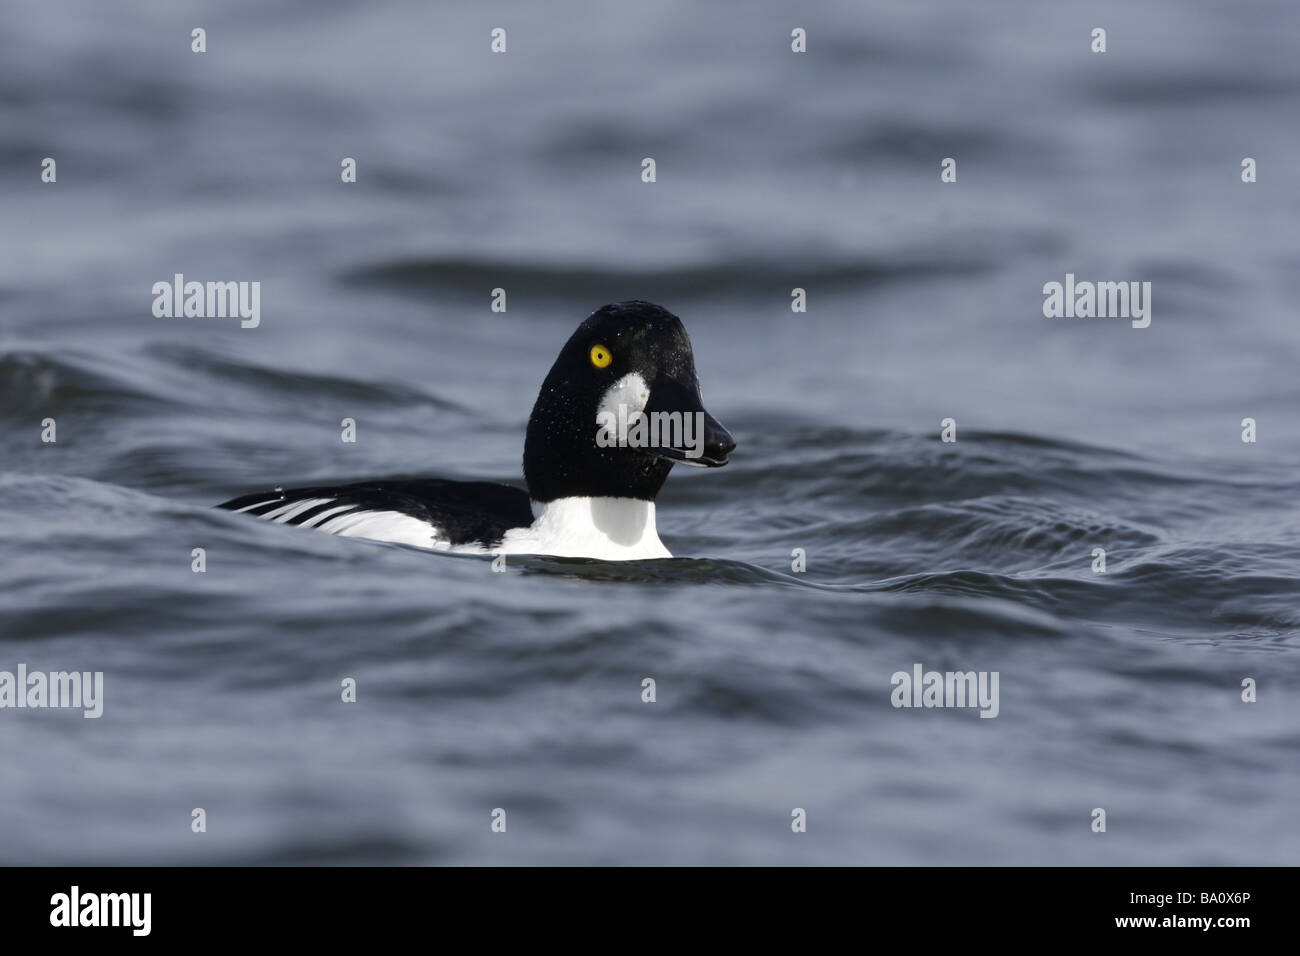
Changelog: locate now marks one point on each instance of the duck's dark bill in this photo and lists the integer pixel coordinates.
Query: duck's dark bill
(679, 456)
(668, 395)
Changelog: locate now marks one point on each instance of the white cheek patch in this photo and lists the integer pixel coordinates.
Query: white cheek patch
(630, 391)
(620, 407)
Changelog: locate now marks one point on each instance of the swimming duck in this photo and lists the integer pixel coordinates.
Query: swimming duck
(620, 406)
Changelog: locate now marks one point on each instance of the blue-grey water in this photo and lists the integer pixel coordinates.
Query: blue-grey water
(774, 170)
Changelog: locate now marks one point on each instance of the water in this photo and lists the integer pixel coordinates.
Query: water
(478, 690)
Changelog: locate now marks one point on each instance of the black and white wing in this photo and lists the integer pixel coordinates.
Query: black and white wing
(428, 513)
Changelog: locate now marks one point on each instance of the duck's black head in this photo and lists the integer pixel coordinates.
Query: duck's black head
(633, 354)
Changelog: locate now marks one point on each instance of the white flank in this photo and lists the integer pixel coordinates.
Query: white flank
(608, 529)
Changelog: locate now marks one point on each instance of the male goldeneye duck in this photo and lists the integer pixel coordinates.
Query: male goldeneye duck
(592, 472)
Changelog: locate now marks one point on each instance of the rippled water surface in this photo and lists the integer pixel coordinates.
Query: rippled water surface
(522, 690)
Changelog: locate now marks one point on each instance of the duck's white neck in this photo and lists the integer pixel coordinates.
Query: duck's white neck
(610, 529)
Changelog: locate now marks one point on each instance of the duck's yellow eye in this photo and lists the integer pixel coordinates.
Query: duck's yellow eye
(600, 356)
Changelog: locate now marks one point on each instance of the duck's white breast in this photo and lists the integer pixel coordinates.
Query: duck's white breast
(608, 529)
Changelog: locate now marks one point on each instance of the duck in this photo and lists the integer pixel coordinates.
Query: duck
(619, 408)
